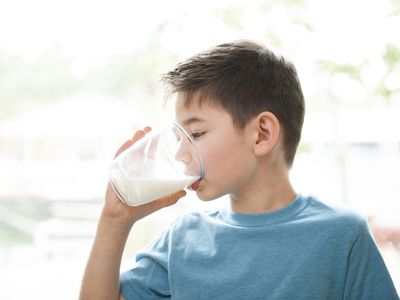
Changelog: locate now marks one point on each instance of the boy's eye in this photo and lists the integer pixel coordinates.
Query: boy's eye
(197, 134)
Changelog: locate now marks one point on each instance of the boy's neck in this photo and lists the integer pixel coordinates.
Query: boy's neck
(264, 193)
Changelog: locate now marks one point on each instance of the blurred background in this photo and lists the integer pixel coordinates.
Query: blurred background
(77, 78)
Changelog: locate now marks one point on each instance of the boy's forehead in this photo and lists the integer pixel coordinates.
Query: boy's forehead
(196, 111)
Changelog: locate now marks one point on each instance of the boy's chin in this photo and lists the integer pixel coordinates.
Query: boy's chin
(205, 195)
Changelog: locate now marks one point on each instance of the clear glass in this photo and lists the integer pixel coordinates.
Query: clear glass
(164, 161)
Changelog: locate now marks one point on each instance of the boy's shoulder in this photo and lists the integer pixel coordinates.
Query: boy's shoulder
(340, 216)
(333, 210)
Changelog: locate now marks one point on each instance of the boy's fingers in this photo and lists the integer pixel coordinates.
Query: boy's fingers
(151, 150)
(137, 136)
(156, 205)
(147, 129)
(170, 199)
(140, 133)
(177, 195)
(152, 144)
(124, 146)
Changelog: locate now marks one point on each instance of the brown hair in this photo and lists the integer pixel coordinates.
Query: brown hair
(246, 79)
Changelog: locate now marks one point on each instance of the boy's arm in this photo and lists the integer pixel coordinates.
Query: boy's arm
(101, 277)
(367, 276)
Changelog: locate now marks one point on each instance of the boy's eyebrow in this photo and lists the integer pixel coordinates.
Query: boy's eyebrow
(191, 120)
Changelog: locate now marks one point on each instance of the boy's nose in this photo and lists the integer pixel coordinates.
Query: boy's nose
(183, 153)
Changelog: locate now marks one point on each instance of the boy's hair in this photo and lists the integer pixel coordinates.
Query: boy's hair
(246, 79)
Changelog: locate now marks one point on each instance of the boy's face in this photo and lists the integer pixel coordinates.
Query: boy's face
(227, 153)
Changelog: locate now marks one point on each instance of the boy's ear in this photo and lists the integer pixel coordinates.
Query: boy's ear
(267, 132)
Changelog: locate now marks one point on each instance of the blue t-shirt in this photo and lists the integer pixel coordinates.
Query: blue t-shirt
(306, 250)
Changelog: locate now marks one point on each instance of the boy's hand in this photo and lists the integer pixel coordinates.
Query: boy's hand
(121, 214)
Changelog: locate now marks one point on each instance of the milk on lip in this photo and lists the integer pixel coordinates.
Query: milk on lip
(140, 190)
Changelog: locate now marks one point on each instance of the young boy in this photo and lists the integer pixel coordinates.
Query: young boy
(244, 108)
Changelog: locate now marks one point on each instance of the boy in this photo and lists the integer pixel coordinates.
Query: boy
(244, 108)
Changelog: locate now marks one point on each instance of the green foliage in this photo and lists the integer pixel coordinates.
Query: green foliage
(268, 5)
(24, 84)
(12, 236)
(391, 56)
(304, 148)
(307, 25)
(333, 68)
(50, 77)
(125, 76)
(395, 9)
(230, 16)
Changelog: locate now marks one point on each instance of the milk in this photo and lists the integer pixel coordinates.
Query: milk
(138, 190)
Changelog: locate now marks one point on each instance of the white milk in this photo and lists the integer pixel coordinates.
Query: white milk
(137, 191)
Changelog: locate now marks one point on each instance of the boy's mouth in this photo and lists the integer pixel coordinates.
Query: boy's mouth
(195, 185)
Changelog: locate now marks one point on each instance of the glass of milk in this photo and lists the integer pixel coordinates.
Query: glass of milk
(164, 161)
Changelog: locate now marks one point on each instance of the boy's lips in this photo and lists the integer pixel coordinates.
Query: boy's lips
(195, 185)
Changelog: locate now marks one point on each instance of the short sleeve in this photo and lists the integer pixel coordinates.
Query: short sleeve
(148, 279)
(367, 276)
